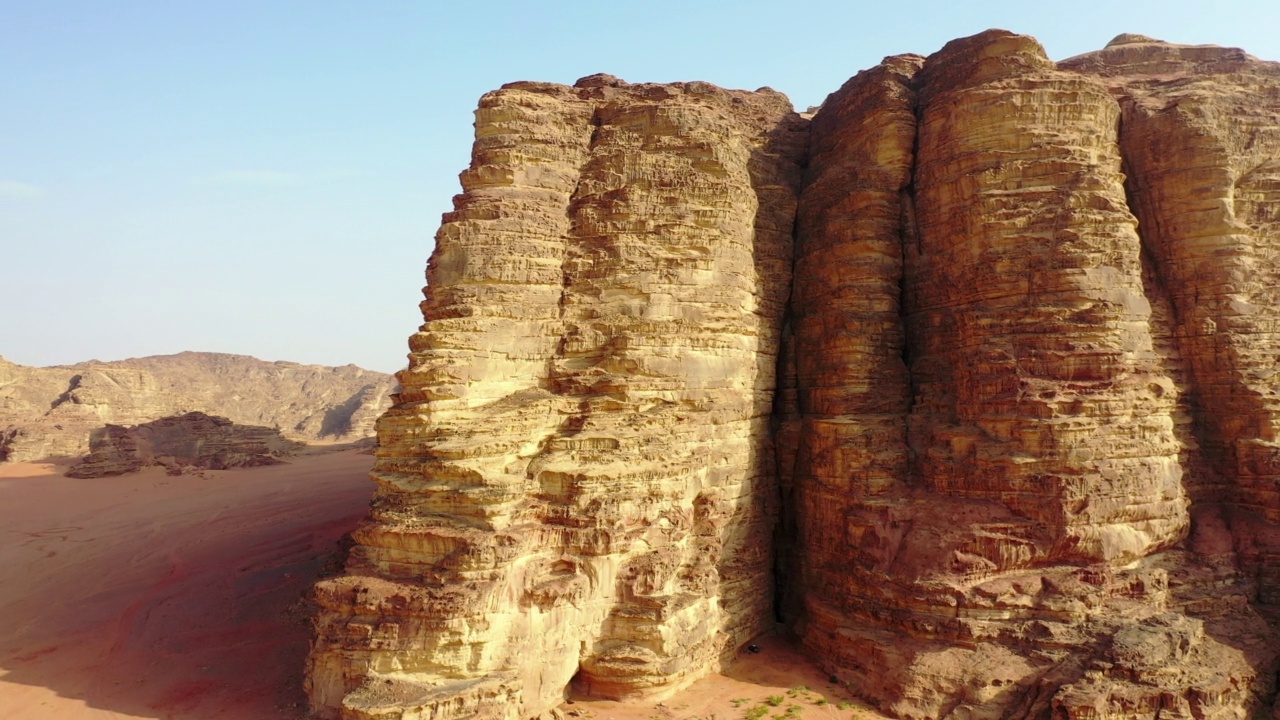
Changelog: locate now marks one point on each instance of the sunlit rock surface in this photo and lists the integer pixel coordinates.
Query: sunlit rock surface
(577, 482)
(967, 377)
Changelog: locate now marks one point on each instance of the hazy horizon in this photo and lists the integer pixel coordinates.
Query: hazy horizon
(265, 180)
(90, 360)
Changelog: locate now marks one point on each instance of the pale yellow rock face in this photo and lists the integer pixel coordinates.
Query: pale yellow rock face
(1009, 447)
(578, 482)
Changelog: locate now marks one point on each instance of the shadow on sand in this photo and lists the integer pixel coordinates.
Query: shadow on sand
(195, 612)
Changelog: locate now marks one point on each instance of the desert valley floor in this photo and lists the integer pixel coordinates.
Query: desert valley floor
(151, 596)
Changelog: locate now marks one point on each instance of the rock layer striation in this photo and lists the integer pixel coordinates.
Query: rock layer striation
(967, 377)
(579, 468)
(989, 559)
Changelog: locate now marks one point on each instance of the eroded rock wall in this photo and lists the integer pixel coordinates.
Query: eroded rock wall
(1036, 384)
(1030, 557)
(1008, 451)
(853, 393)
(578, 480)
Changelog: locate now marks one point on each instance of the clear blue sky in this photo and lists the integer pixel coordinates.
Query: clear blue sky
(265, 177)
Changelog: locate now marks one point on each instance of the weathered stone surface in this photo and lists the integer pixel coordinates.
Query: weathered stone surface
(852, 384)
(1036, 384)
(1018, 456)
(579, 468)
(1044, 479)
(1201, 136)
(191, 441)
(49, 412)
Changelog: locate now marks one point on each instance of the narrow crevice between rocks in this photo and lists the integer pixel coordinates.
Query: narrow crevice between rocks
(786, 582)
(554, 382)
(909, 230)
(784, 530)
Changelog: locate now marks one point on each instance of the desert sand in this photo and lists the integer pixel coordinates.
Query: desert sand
(778, 684)
(150, 596)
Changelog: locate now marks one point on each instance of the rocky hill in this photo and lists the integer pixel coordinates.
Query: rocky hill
(193, 441)
(50, 411)
(969, 378)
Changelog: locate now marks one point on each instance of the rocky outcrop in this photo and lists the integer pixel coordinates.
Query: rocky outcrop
(1018, 455)
(186, 442)
(579, 466)
(50, 412)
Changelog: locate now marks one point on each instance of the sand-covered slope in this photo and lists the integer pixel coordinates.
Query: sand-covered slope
(150, 596)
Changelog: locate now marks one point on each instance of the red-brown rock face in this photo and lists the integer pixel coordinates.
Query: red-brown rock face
(998, 554)
(1025, 421)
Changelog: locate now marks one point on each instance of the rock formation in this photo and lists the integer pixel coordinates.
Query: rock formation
(191, 441)
(988, 551)
(50, 412)
(578, 466)
(1010, 448)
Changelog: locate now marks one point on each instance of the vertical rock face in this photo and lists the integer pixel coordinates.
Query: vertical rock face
(1201, 136)
(577, 482)
(1018, 457)
(998, 554)
(852, 385)
(1037, 387)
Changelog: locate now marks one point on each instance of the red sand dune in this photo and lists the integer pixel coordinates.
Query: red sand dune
(148, 596)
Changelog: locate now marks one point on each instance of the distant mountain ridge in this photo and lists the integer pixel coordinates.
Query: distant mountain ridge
(50, 411)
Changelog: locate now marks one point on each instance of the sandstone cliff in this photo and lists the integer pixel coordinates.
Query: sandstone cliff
(1019, 546)
(49, 412)
(1010, 448)
(192, 441)
(579, 467)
